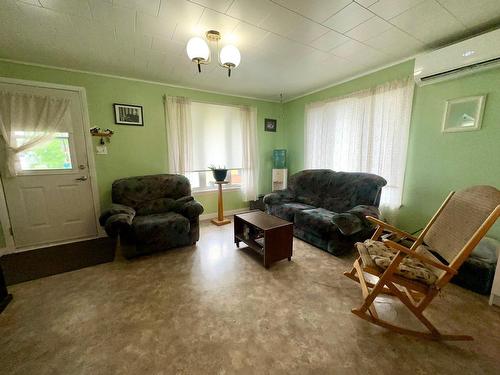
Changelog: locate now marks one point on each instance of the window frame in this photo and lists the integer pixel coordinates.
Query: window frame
(61, 171)
(211, 189)
(207, 188)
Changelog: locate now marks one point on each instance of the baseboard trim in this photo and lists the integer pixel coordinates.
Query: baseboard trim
(213, 215)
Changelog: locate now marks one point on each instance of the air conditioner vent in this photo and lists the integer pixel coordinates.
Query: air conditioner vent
(482, 64)
(466, 57)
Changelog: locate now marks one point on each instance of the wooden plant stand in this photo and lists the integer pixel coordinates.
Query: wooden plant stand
(220, 220)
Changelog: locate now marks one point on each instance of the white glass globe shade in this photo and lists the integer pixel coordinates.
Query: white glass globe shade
(230, 55)
(197, 49)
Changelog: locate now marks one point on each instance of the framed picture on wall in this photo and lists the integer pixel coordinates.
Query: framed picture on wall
(127, 114)
(270, 125)
(463, 114)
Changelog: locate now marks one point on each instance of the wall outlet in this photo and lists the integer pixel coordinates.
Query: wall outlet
(101, 150)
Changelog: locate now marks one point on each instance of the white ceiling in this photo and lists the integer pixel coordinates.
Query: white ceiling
(290, 46)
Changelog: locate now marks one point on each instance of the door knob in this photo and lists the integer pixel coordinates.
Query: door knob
(83, 178)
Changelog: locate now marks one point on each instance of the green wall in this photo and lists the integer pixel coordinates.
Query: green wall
(143, 150)
(437, 162)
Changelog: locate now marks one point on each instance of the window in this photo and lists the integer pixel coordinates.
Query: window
(366, 131)
(51, 155)
(216, 140)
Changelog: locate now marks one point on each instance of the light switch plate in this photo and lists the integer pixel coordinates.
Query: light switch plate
(101, 150)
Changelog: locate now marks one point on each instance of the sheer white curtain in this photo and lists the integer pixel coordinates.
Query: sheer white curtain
(38, 116)
(179, 134)
(250, 170)
(366, 131)
(204, 134)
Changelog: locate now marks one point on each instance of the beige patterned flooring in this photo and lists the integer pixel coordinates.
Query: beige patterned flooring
(213, 309)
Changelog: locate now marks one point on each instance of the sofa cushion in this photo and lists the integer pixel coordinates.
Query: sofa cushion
(160, 228)
(286, 211)
(156, 206)
(317, 221)
(134, 191)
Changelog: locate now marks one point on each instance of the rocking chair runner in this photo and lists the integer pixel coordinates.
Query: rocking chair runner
(414, 274)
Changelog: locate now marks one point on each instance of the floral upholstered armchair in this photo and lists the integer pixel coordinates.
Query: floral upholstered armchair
(329, 208)
(152, 213)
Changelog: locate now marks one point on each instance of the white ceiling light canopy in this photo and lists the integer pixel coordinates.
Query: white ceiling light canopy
(199, 52)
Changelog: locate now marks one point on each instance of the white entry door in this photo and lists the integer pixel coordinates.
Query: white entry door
(51, 200)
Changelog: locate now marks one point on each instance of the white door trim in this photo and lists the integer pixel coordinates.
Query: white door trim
(4, 215)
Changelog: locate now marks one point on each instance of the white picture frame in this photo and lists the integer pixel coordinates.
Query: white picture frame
(463, 114)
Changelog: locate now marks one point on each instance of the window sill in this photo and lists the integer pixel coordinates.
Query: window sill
(209, 190)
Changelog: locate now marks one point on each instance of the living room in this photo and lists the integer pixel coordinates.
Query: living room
(340, 128)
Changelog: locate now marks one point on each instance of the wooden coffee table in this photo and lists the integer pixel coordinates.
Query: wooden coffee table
(268, 235)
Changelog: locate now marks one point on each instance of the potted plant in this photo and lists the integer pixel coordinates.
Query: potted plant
(218, 172)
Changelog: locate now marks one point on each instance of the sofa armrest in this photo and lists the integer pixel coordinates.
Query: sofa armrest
(188, 207)
(114, 210)
(118, 223)
(354, 220)
(278, 197)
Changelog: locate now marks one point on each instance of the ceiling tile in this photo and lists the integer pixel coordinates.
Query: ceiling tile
(126, 38)
(329, 41)
(391, 8)
(348, 49)
(395, 42)
(135, 40)
(153, 25)
(38, 17)
(251, 11)
(167, 46)
(306, 31)
(248, 35)
(183, 32)
(428, 21)
(218, 5)
(123, 19)
(472, 14)
(348, 18)
(369, 29)
(274, 46)
(281, 21)
(78, 7)
(150, 7)
(317, 10)
(31, 2)
(212, 20)
(181, 11)
(366, 3)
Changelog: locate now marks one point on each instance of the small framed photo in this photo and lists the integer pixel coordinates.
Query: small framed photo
(126, 114)
(463, 114)
(270, 125)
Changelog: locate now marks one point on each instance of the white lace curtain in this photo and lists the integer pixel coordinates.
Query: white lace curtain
(250, 170)
(179, 134)
(187, 142)
(366, 131)
(38, 116)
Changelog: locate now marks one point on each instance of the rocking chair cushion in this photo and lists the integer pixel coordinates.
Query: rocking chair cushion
(377, 255)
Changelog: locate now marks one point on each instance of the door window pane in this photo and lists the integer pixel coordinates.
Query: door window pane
(54, 154)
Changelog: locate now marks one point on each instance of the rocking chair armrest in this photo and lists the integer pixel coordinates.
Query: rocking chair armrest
(420, 257)
(391, 227)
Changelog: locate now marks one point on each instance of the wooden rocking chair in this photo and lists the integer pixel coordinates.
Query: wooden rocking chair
(413, 274)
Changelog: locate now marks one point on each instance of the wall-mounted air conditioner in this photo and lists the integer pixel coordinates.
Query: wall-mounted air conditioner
(466, 57)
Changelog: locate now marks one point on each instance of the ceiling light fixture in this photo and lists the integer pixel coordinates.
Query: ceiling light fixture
(198, 51)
